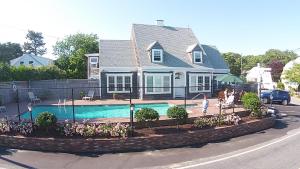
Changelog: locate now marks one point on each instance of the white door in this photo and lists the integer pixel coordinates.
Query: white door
(179, 84)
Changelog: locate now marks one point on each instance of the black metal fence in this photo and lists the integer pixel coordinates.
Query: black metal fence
(80, 103)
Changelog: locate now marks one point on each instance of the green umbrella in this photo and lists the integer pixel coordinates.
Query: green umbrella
(229, 78)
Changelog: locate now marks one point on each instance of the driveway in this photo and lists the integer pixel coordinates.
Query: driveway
(273, 148)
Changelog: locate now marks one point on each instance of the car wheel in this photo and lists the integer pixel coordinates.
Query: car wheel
(265, 100)
(285, 102)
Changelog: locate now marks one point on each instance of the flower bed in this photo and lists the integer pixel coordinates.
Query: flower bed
(152, 141)
(66, 129)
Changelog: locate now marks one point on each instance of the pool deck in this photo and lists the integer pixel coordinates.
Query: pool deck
(194, 107)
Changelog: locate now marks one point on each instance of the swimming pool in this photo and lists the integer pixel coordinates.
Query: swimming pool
(93, 111)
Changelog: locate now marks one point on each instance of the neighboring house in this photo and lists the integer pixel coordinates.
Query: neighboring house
(286, 83)
(260, 73)
(156, 56)
(31, 60)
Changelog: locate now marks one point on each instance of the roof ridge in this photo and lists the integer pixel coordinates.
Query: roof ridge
(114, 40)
(161, 26)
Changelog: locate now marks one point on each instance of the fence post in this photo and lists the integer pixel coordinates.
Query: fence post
(18, 103)
(185, 91)
(73, 105)
(131, 113)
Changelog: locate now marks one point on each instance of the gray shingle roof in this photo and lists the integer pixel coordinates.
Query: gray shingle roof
(175, 42)
(116, 53)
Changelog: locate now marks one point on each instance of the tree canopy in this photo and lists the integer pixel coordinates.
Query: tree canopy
(276, 69)
(293, 74)
(71, 51)
(274, 58)
(234, 62)
(9, 51)
(35, 43)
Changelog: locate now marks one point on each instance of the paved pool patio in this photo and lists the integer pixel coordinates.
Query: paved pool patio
(194, 107)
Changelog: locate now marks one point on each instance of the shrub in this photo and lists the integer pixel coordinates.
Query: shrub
(280, 85)
(177, 113)
(204, 122)
(25, 128)
(92, 129)
(216, 121)
(292, 91)
(252, 102)
(146, 114)
(46, 120)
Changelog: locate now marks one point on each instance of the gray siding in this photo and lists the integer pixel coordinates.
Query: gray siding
(191, 95)
(106, 95)
(158, 96)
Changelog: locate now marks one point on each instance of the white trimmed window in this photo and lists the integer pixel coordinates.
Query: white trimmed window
(157, 55)
(94, 62)
(197, 55)
(158, 83)
(119, 83)
(199, 83)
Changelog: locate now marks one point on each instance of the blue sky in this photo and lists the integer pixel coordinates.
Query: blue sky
(242, 26)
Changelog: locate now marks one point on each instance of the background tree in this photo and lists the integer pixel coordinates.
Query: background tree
(293, 74)
(9, 51)
(71, 52)
(234, 62)
(35, 43)
(275, 54)
(276, 69)
(250, 61)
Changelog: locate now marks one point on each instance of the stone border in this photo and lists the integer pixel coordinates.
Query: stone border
(79, 145)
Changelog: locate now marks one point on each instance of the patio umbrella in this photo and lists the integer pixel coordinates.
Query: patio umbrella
(229, 78)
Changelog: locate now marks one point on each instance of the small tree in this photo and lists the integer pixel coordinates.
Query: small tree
(35, 43)
(177, 113)
(46, 121)
(146, 115)
(252, 102)
(276, 69)
(280, 85)
(293, 75)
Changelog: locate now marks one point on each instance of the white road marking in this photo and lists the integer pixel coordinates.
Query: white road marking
(185, 165)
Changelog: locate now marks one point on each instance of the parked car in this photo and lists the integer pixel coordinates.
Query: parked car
(276, 96)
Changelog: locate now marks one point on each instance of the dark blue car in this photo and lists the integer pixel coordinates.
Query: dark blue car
(276, 96)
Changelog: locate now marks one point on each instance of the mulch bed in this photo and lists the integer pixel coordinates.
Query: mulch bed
(182, 128)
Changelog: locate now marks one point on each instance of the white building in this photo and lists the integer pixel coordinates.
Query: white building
(257, 72)
(31, 60)
(288, 66)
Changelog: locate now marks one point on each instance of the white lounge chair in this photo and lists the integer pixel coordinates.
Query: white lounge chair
(33, 98)
(2, 109)
(89, 96)
(229, 102)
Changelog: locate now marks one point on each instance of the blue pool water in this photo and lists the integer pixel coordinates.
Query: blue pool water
(94, 111)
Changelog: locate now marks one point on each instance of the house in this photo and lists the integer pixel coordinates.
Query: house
(287, 84)
(157, 62)
(31, 60)
(262, 74)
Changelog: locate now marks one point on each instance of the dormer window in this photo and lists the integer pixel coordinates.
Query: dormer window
(94, 62)
(197, 55)
(157, 55)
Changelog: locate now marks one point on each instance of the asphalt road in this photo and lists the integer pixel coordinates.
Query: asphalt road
(277, 147)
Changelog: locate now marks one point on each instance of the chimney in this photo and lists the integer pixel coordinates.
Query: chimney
(160, 22)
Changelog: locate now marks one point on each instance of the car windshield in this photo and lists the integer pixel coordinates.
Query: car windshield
(266, 91)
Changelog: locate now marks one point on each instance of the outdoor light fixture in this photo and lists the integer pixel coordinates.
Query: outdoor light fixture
(29, 106)
(271, 99)
(132, 107)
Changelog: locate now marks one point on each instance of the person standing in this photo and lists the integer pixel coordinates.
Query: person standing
(205, 105)
(225, 94)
